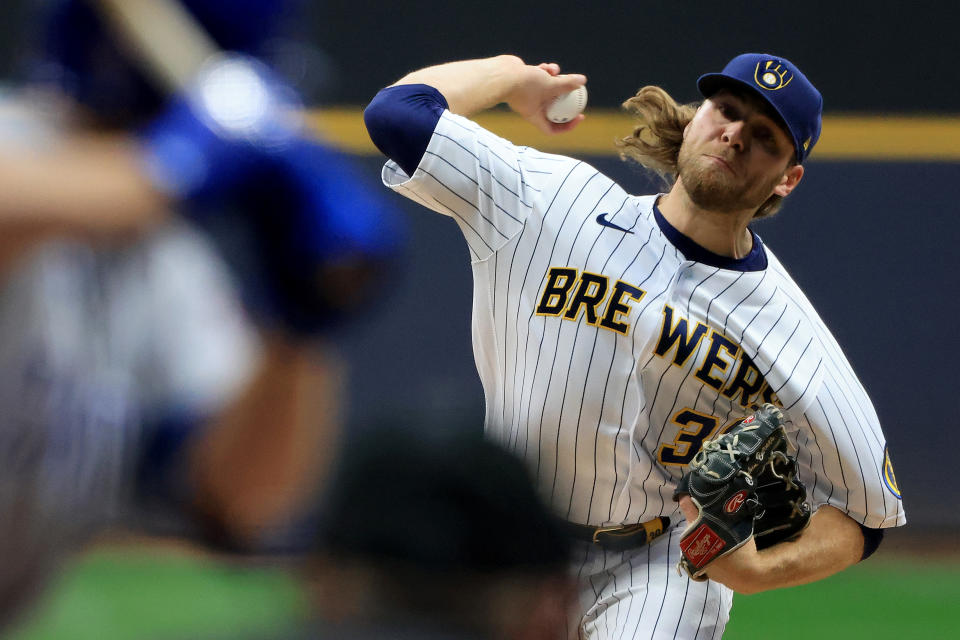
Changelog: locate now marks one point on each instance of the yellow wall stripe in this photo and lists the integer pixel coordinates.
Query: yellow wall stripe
(845, 137)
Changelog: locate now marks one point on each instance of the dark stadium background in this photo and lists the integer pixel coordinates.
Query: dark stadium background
(872, 241)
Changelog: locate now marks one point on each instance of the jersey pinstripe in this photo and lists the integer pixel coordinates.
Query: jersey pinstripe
(607, 357)
(639, 594)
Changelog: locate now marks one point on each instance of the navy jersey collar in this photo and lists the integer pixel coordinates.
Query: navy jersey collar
(756, 260)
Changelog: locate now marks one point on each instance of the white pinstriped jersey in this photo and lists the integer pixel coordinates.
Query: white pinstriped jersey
(607, 357)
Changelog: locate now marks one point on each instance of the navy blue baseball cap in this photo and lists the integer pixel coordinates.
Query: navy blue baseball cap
(781, 84)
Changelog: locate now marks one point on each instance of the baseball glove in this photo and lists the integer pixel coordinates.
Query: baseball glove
(784, 512)
(744, 484)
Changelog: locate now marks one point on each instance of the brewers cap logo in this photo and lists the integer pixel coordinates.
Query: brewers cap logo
(772, 75)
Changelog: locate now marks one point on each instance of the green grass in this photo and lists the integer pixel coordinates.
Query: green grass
(881, 598)
(113, 595)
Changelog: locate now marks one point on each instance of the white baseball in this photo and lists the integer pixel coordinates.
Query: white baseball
(566, 107)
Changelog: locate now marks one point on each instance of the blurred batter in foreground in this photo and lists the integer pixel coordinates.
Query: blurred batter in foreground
(170, 267)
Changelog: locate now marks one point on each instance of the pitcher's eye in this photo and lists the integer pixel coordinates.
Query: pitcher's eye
(728, 111)
(766, 138)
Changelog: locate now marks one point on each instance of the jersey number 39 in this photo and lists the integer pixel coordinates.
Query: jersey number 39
(695, 427)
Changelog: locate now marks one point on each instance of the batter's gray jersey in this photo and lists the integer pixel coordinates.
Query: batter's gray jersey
(95, 347)
(96, 343)
(607, 357)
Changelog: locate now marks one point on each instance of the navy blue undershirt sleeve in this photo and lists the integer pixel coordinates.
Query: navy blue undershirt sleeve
(401, 120)
(871, 540)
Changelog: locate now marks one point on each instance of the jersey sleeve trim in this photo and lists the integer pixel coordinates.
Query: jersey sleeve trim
(401, 120)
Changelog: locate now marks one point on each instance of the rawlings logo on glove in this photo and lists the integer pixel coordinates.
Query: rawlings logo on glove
(744, 484)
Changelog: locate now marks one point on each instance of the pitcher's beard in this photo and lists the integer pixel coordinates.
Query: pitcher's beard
(713, 188)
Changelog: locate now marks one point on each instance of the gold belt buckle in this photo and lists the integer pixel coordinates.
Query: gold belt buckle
(600, 530)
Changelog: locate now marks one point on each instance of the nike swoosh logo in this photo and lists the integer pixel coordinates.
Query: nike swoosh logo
(602, 220)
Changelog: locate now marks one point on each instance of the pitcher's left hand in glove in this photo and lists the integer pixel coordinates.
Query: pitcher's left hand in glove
(732, 481)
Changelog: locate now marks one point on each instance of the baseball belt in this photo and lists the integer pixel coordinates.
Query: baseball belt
(621, 537)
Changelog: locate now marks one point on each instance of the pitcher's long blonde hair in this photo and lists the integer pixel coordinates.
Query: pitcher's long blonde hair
(658, 134)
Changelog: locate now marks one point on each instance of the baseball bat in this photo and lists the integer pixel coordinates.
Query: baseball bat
(167, 42)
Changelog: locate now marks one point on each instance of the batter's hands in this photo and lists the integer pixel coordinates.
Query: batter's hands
(535, 89)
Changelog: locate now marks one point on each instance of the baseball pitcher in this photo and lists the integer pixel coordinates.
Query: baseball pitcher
(675, 394)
